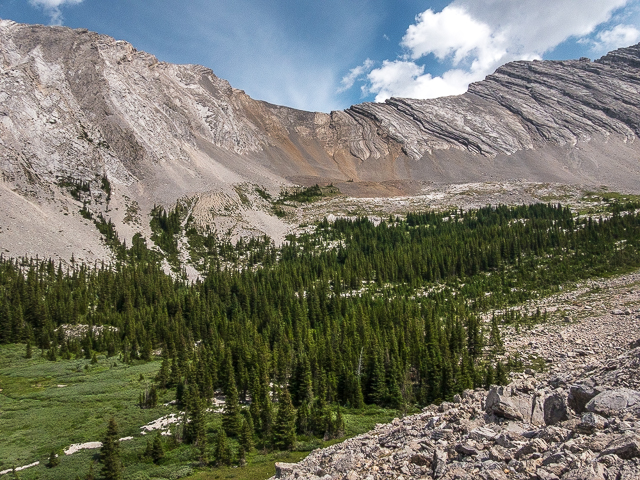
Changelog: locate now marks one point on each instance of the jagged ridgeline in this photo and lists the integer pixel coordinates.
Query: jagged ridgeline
(355, 313)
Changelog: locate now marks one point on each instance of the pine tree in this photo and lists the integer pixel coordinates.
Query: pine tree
(163, 375)
(339, 426)
(148, 451)
(231, 414)
(54, 461)
(489, 377)
(110, 453)
(29, 352)
(501, 374)
(284, 428)
(246, 436)
(222, 452)
(157, 450)
(303, 419)
(194, 424)
(90, 475)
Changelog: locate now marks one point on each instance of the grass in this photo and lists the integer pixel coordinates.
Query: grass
(38, 416)
(261, 466)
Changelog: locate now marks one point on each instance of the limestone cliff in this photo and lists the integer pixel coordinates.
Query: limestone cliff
(79, 106)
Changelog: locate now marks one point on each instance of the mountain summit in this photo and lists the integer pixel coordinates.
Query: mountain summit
(89, 120)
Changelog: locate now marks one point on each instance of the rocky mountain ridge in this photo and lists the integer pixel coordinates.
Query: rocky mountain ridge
(76, 106)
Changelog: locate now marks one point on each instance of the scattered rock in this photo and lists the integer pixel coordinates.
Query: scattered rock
(555, 409)
(579, 396)
(439, 463)
(614, 401)
(626, 446)
(580, 422)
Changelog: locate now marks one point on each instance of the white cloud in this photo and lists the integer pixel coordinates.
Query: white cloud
(52, 8)
(403, 78)
(452, 32)
(475, 37)
(355, 74)
(616, 37)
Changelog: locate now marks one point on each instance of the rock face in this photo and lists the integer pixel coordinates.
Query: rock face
(79, 106)
(495, 435)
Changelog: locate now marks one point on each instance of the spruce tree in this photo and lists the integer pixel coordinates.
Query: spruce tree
(90, 475)
(54, 461)
(110, 453)
(222, 452)
(157, 450)
(231, 412)
(284, 428)
(501, 374)
(148, 451)
(246, 436)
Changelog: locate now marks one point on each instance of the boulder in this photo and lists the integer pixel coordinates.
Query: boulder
(481, 434)
(612, 402)
(579, 396)
(466, 449)
(439, 463)
(284, 469)
(555, 409)
(585, 473)
(498, 403)
(590, 423)
(626, 446)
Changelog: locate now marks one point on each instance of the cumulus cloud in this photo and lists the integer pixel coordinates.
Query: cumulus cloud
(474, 37)
(616, 37)
(53, 8)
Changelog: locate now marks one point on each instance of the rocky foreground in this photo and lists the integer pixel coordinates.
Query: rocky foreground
(579, 421)
(563, 428)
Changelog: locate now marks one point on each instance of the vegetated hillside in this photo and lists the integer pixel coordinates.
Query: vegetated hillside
(345, 319)
(89, 120)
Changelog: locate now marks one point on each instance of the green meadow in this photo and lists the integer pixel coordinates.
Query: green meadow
(47, 406)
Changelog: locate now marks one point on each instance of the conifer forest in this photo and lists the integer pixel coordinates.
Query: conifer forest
(398, 313)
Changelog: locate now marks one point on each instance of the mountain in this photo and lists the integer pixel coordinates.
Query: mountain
(89, 120)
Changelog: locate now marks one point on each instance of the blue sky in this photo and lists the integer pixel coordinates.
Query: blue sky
(329, 54)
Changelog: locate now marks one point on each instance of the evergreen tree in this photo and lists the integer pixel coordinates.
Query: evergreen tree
(163, 374)
(303, 419)
(284, 428)
(231, 413)
(501, 374)
(246, 436)
(339, 426)
(194, 423)
(222, 452)
(148, 451)
(90, 475)
(489, 378)
(54, 461)
(110, 453)
(157, 450)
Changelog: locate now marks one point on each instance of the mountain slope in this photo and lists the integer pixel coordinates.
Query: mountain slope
(77, 106)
